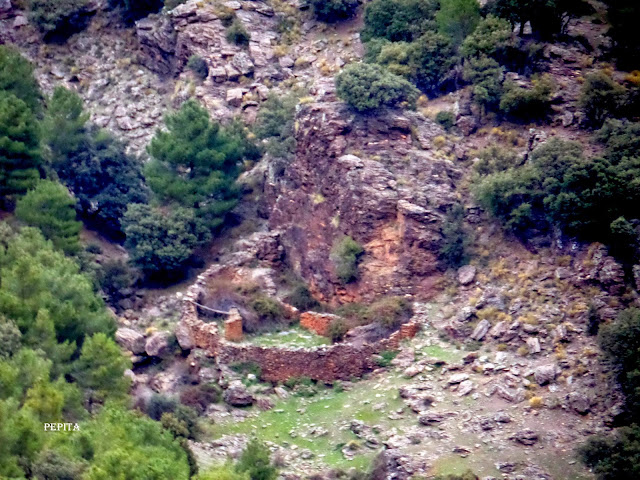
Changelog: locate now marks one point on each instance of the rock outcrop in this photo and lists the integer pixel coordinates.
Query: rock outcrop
(368, 178)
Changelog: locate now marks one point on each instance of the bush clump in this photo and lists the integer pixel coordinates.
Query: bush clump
(346, 255)
(337, 330)
(390, 312)
(59, 18)
(399, 20)
(51, 208)
(455, 238)
(601, 98)
(446, 119)
(302, 299)
(528, 103)
(275, 125)
(368, 88)
(198, 66)
(334, 10)
(236, 33)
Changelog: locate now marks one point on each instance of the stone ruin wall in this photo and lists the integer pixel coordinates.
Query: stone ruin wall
(341, 361)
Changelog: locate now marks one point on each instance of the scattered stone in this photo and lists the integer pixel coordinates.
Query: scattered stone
(413, 370)
(281, 392)
(465, 388)
(432, 418)
(526, 437)
(183, 336)
(237, 395)
(157, 344)
(534, 345)
(458, 378)
(234, 96)
(130, 340)
(481, 330)
(466, 274)
(545, 374)
(579, 402)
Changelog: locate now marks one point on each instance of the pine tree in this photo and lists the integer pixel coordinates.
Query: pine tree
(19, 146)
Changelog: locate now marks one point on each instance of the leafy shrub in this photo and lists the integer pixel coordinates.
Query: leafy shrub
(620, 341)
(51, 208)
(621, 139)
(346, 254)
(398, 20)
(60, 18)
(601, 98)
(245, 368)
(612, 457)
(468, 475)
(122, 444)
(547, 17)
(268, 309)
(133, 10)
(198, 66)
(302, 299)
(160, 404)
(390, 312)
(337, 330)
(10, 338)
(434, 56)
(493, 37)
(46, 295)
(226, 15)
(116, 278)
(162, 242)
(485, 74)
(275, 125)
(455, 238)
(334, 10)
(385, 358)
(558, 186)
(495, 159)
(54, 465)
(624, 16)
(101, 367)
(255, 461)
(458, 18)
(446, 119)
(528, 103)
(368, 87)
(199, 397)
(236, 33)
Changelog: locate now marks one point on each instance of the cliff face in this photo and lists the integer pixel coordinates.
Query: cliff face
(375, 179)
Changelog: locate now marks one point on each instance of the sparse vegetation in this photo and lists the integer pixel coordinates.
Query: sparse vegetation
(346, 254)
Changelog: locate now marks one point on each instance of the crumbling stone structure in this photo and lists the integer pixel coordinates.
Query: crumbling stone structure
(340, 361)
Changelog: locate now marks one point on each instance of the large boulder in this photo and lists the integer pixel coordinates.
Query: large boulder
(481, 330)
(184, 337)
(130, 340)
(545, 374)
(158, 344)
(237, 395)
(466, 274)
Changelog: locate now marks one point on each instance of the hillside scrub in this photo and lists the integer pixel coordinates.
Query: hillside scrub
(346, 255)
(368, 88)
(558, 186)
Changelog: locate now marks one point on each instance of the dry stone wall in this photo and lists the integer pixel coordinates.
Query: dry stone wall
(341, 361)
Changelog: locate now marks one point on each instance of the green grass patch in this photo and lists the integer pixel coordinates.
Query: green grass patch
(292, 337)
(449, 355)
(330, 410)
